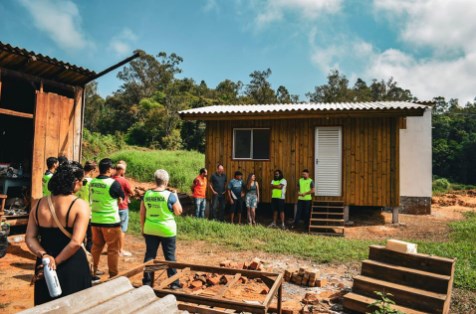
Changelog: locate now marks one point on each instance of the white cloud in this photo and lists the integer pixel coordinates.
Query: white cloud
(60, 20)
(210, 5)
(274, 10)
(443, 28)
(121, 43)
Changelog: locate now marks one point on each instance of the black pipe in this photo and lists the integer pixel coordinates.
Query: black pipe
(113, 67)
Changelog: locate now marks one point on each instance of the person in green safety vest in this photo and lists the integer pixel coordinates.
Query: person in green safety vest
(158, 226)
(278, 195)
(306, 189)
(52, 164)
(105, 194)
(83, 193)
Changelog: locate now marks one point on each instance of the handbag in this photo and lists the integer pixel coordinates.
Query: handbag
(66, 233)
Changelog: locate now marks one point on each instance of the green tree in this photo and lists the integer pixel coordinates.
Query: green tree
(259, 90)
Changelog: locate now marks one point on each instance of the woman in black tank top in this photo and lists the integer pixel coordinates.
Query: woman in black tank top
(45, 239)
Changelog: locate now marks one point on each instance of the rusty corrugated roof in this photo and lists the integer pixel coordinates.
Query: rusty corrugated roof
(303, 108)
(29, 62)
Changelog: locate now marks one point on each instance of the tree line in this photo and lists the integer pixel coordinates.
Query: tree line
(144, 110)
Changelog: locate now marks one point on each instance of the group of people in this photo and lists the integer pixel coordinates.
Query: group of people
(81, 209)
(239, 194)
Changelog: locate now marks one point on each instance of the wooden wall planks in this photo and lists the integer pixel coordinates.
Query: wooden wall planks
(369, 160)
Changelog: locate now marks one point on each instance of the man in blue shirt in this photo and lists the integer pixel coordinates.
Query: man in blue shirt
(235, 195)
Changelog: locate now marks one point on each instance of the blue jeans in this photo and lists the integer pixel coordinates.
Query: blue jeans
(200, 204)
(124, 215)
(217, 211)
(152, 244)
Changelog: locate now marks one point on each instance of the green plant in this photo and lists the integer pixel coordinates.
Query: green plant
(384, 304)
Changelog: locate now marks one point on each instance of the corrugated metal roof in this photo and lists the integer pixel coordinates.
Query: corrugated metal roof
(303, 107)
(29, 62)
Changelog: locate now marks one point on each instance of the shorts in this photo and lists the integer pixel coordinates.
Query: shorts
(277, 204)
(237, 206)
(124, 215)
(251, 200)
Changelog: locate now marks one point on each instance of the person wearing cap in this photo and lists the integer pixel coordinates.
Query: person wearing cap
(235, 195)
(105, 193)
(119, 176)
(158, 226)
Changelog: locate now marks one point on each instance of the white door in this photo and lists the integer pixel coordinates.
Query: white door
(328, 169)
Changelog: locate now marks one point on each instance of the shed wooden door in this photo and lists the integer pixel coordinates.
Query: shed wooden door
(57, 131)
(328, 169)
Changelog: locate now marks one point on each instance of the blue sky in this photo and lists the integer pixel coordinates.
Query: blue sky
(425, 45)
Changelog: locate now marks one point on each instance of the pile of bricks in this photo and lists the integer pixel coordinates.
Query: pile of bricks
(255, 264)
(304, 277)
(202, 280)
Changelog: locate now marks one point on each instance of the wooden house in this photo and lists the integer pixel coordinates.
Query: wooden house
(359, 154)
(41, 115)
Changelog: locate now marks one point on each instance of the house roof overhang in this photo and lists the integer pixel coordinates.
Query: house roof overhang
(307, 110)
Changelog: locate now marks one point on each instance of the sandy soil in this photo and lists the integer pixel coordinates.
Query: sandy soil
(16, 267)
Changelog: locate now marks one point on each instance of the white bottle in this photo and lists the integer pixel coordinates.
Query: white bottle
(51, 278)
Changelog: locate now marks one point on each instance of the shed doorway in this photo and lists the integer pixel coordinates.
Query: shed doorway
(328, 169)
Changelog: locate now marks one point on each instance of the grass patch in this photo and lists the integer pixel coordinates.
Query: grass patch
(442, 186)
(182, 166)
(322, 249)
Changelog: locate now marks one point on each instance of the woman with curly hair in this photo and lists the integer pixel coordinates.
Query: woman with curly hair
(46, 240)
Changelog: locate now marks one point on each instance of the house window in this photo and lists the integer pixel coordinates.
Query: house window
(251, 144)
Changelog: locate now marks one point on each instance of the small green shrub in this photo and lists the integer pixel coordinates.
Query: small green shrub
(441, 185)
(384, 304)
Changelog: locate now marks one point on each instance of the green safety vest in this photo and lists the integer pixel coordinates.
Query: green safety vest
(277, 193)
(104, 207)
(159, 220)
(83, 193)
(305, 186)
(46, 179)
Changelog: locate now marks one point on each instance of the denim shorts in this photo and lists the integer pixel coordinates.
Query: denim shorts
(124, 215)
(251, 200)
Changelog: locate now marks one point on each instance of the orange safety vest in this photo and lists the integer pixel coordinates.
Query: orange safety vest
(200, 189)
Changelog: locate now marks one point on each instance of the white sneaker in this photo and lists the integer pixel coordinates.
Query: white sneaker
(272, 225)
(125, 254)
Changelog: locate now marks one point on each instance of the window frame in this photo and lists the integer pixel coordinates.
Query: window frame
(251, 144)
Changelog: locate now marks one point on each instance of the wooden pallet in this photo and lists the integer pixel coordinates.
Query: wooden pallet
(419, 283)
(327, 217)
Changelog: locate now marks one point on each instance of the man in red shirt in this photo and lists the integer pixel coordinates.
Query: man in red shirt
(200, 193)
(123, 203)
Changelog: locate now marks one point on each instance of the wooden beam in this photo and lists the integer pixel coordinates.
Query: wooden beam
(224, 289)
(36, 79)
(197, 299)
(14, 113)
(221, 270)
(177, 276)
(278, 283)
(200, 309)
(132, 272)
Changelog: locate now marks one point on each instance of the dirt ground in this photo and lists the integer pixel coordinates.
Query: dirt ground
(16, 267)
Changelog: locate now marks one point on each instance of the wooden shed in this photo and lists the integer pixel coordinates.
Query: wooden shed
(41, 115)
(358, 153)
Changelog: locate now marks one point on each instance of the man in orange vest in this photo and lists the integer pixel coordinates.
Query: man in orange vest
(200, 193)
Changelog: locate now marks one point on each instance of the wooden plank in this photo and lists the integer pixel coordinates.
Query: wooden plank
(200, 309)
(406, 276)
(433, 264)
(272, 291)
(132, 272)
(78, 124)
(165, 305)
(39, 143)
(85, 299)
(359, 303)
(52, 125)
(63, 121)
(14, 113)
(403, 295)
(219, 270)
(171, 279)
(228, 285)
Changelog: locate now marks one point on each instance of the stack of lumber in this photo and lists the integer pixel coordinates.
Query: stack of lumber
(419, 283)
(115, 296)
